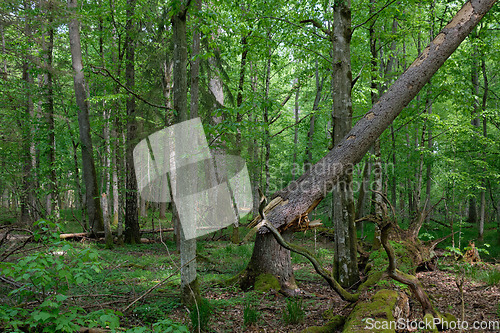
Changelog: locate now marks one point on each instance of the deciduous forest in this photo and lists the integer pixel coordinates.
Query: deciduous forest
(370, 131)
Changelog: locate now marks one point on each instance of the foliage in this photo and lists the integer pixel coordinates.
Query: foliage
(488, 275)
(294, 311)
(53, 270)
(251, 313)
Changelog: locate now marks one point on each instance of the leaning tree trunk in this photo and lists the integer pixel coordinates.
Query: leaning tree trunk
(89, 171)
(301, 196)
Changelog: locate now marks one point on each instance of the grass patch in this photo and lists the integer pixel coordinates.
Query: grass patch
(294, 311)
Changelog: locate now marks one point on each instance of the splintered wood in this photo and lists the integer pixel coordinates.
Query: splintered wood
(301, 223)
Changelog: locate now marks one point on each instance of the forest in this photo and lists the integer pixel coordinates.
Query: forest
(365, 137)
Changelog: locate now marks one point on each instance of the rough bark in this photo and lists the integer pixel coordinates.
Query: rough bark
(167, 92)
(376, 91)
(304, 194)
(267, 136)
(195, 66)
(89, 171)
(345, 258)
(269, 257)
(132, 229)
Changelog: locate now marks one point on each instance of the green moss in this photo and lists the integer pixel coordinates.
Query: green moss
(448, 319)
(335, 322)
(266, 282)
(378, 309)
(429, 318)
(371, 280)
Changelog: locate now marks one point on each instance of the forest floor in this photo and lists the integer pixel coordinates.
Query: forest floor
(481, 303)
(129, 271)
(219, 260)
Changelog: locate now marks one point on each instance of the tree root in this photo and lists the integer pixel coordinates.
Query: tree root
(344, 294)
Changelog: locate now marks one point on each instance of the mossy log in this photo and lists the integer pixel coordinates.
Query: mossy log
(384, 310)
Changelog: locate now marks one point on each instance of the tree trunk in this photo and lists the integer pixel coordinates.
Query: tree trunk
(345, 259)
(195, 65)
(308, 159)
(295, 168)
(267, 136)
(132, 230)
(485, 133)
(376, 91)
(269, 257)
(301, 196)
(53, 201)
(167, 77)
(473, 215)
(189, 282)
(89, 171)
(27, 203)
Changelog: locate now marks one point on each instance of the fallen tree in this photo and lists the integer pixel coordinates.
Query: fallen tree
(99, 234)
(301, 196)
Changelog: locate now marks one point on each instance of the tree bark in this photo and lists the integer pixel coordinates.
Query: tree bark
(53, 200)
(189, 283)
(303, 195)
(295, 167)
(27, 203)
(132, 230)
(345, 259)
(89, 171)
(482, 210)
(308, 159)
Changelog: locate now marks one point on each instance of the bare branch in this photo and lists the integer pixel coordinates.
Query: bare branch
(294, 124)
(374, 14)
(130, 91)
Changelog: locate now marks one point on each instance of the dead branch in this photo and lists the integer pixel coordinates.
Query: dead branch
(156, 286)
(101, 233)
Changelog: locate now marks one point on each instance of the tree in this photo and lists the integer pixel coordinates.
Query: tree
(89, 171)
(190, 292)
(345, 262)
(132, 229)
(303, 195)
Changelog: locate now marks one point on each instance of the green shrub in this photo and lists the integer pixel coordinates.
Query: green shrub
(168, 325)
(149, 313)
(200, 314)
(490, 276)
(294, 312)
